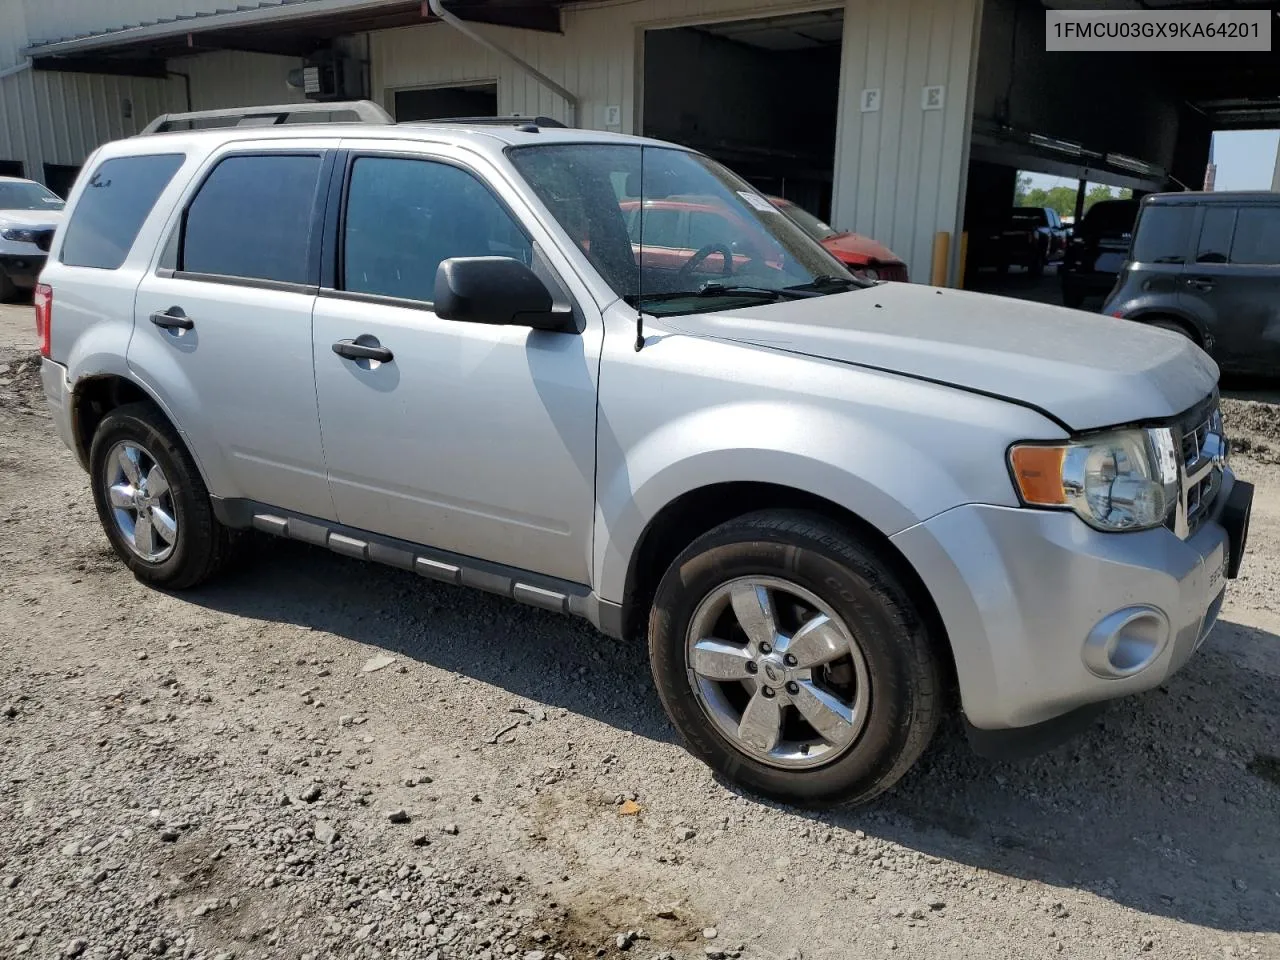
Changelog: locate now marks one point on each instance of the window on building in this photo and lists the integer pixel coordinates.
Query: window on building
(405, 216)
(252, 218)
(115, 201)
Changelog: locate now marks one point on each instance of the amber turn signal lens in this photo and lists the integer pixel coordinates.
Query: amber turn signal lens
(1038, 473)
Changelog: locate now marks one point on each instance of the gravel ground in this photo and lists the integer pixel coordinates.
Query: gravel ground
(316, 758)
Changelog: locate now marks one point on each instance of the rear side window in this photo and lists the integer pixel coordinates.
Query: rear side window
(252, 219)
(1215, 235)
(1257, 236)
(1163, 232)
(115, 200)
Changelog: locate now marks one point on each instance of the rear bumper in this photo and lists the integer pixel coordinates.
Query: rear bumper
(1047, 616)
(23, 269)
(57, 391)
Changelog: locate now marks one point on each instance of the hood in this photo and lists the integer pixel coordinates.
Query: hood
(1084, 370)
(30, 218)
(855, 248)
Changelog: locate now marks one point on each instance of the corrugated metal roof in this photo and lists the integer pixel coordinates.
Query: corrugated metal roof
(245, 14)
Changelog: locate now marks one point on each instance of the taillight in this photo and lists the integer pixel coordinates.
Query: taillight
(44, 316)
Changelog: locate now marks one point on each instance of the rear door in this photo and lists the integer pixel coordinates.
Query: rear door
(223, 323)
(1235, 284)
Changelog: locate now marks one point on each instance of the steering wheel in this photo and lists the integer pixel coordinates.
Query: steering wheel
(701, 254)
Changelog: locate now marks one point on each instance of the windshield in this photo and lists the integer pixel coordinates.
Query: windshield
(808, 222)
(1110, 218)
(709, 241)
(24, 195)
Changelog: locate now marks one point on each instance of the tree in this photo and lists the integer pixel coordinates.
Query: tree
(1020, 191)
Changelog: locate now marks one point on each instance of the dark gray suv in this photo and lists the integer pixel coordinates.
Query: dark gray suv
(1207, 265)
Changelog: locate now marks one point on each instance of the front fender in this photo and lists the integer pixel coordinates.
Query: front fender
(886, 475)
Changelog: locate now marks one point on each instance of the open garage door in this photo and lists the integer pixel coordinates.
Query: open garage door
(1138, 122)
(759, 95)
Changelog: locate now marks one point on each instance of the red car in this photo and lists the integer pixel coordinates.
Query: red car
(862, 255)
(676, 227)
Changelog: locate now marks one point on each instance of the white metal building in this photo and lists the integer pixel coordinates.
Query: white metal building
(885, 116)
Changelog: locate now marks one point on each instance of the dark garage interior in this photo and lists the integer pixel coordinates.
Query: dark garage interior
(759, 95)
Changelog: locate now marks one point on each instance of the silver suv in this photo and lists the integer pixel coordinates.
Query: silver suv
(829, 504)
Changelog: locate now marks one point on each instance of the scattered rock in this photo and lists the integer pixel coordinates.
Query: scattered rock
(378, 662)
(325, 832)
(169, 834)
(628, 808)
(75, 947)
(421, 840)
(710, 933)
(450, 828)
(310, 794)
(398, 815)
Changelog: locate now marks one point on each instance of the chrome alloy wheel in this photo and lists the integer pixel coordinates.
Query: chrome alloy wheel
(777, 671)
(141, 501)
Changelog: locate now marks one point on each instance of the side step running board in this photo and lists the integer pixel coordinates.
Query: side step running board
(544, 592)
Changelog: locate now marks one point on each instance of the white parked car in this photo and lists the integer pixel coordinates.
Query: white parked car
(28, 214)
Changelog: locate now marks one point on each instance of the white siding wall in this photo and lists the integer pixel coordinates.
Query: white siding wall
(60, 117)
(898, 172)
(233, 79)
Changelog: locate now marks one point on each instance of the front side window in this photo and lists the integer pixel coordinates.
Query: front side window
(404, 216)
(1257, 238)
(595, 190)
(1162, 233)
(115, 201)
(252, 218)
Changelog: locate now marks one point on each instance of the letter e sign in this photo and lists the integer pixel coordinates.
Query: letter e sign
(932, 98)
(871, 101)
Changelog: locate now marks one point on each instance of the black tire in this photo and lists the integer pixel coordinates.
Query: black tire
(203, 546)
(846, 574)
(1036, 266)
(8, 289)
(1173, 326)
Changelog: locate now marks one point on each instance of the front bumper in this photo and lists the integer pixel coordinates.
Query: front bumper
(1047, 615)
(57, 391)
(23, 268)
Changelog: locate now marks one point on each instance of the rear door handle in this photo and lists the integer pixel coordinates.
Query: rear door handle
(175, 318)
(362, 351)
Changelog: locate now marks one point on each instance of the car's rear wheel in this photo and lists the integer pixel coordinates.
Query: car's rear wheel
(152, 501)
(793, 661)
(8, 289)
(1173, 326)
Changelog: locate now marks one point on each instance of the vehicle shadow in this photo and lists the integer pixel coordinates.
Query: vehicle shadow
(1170, 805)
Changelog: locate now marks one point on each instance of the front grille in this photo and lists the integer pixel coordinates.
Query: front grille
(1203, 455)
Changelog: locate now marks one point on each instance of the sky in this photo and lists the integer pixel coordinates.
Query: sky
(1246, 160)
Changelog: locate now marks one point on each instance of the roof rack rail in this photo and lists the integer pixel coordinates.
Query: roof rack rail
(502, 121)
(345, 111)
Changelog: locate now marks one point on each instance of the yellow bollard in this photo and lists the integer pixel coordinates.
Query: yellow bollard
(941, 255)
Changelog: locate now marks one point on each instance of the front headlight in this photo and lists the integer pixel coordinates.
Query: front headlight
(1124, 480)
(19, 234)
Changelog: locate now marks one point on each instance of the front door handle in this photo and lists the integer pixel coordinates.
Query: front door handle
(1199, 284)
(362, 351)
(175, 318)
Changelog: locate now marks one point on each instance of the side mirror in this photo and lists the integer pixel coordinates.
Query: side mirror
(44, 239)
(496, 290)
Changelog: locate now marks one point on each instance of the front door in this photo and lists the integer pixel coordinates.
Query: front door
(1235, 284)
(222, 329)
(467, 437)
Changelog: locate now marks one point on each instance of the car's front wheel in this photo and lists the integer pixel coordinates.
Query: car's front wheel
(793, 661)
(152, 501)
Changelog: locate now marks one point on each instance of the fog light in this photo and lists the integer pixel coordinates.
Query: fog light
(1126, 642)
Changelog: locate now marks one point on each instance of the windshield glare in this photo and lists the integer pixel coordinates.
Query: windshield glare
(709, 240)
(28, 196)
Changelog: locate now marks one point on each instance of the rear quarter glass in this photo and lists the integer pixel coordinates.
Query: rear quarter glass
(116, 199)
(1162, 233)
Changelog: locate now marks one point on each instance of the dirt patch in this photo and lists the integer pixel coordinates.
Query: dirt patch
(20, 389)
(1254, 428)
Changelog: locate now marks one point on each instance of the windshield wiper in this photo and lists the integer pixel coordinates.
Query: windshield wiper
(815, 286)
(714, 288)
